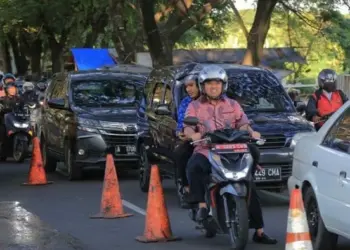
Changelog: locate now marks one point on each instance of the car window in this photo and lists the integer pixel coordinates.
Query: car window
(338, 137)
(59, 89)
(168, 98)
(258, 91)
(105, 92)
(157, 95)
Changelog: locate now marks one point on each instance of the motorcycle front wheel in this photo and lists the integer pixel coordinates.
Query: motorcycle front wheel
(20, 149)
(239, 218)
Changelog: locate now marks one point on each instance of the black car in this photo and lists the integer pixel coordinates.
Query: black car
(261, 95)
(86, 114)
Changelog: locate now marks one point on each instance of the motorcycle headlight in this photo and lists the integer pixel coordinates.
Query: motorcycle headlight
(20, 125)
(88, 125)
(247, 160)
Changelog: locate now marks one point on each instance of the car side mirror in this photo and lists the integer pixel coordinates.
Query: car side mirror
(191, 121)
(57, 103)
(163, 109)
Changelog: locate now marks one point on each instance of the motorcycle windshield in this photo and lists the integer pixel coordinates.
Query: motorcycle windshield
(233, 162)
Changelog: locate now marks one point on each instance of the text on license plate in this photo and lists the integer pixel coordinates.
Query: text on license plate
(237, 147)
(268, 174)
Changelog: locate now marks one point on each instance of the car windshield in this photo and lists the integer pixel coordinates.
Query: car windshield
(257, 91)
(110, 92)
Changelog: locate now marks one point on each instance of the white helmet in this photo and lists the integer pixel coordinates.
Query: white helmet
(213, 72)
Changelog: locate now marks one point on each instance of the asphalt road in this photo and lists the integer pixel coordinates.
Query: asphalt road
(57, 216)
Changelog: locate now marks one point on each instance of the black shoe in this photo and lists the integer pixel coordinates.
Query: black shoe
(264, 239)
(202, 214)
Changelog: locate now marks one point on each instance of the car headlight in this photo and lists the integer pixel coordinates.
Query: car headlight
(233, 175)
(88, 125)
(20, 125)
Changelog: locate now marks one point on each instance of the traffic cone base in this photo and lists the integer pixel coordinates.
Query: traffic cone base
(38, 184)
(37, 175)
(143, 239)
(111, 202)
(157, 228)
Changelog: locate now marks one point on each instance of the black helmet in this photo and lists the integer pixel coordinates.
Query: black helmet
(327, 80)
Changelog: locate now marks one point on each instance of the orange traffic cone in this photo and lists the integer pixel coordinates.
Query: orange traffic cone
(298, 235)
(37, 175)
(111, 203)
(157, 226)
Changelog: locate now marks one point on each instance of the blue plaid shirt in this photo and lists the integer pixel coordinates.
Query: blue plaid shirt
(182, 112)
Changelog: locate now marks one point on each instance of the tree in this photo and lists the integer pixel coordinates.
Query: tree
(165, 22)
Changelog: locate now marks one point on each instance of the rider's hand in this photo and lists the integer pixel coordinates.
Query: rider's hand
(256, 135)
(182, 136)
(196, 136)
(316, 119)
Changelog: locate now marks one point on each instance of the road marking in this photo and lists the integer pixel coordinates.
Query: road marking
(282, 197)
(134, 207)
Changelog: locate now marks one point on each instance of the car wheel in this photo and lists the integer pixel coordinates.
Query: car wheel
(144, 169)
(74, 170)
(321, 238)
(50, 164)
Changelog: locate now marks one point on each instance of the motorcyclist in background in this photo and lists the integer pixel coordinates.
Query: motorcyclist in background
(29, 94)
(326, 100)
(8, 79)
(7, 103)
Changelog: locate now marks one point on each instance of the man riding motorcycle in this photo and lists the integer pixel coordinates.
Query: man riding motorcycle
(216, 111)
(326, 100)
(184, 150)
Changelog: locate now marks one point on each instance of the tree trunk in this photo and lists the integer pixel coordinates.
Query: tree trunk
(35, 57)
(20, 59)
(123, 43)
(156, 48)
(97, 28)
(258, 32)
(57, 58)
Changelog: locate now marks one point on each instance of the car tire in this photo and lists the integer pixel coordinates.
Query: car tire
(74, 170)
(322, 239)
(144, 169)
(49, 163)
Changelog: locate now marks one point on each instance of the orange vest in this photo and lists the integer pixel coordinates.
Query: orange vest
(326, 106)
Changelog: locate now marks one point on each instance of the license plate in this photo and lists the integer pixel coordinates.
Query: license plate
(237, 147)
(130, 149)
(268, 174)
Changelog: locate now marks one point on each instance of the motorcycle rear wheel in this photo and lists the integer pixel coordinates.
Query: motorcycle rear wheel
(240, 223)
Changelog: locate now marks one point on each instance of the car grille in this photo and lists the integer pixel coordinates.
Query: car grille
(117, 138)
(273, 141)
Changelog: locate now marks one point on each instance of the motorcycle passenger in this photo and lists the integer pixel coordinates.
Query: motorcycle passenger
(184, 150)
(326, 100)
(217, 111)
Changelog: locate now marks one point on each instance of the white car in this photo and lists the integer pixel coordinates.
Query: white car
(321, 168)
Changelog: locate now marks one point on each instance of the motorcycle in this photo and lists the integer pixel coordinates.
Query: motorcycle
(18, 134)
(229, 185)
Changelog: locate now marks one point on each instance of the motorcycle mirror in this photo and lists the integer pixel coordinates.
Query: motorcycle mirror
(260, 142)
(191, 120)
